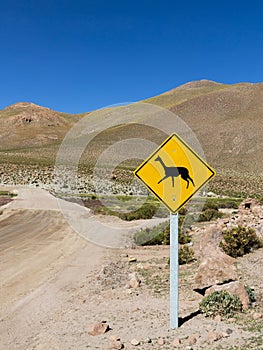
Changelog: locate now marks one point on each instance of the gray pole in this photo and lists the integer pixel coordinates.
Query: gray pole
(174, 297)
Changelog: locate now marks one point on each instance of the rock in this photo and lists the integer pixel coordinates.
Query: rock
(229, 330)
(192, 339)
(214, 336)
(114, 338)
(232, 320)
(177, 342)
(148, 340)
(117, 344)
(225, 335)
(215, 266)
(232, 288)
(218, 318)
(249, 205)
(135, 342)
(160, 341)
(132, 259)
(134, 281)
(98, 328)
(257, 316)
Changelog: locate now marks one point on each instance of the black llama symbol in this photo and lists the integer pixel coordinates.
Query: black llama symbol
(173, 171)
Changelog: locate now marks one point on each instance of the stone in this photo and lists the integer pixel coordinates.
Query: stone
(114, 338)
(148, 340)
(218, 318)
(98, 328)
(215, 266)
(134, 281)
(192, 339)
(234, 287)
(160, 341)
(135, 342)
(257, 316)
(214, 336)
(117, 344)
(229, 330)
(249, 205)
(176, 342)
(232, 320)
(225, 335)
(132, 259)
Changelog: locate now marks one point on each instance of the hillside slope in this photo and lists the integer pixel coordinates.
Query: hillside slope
(26, 124)
(227, 120)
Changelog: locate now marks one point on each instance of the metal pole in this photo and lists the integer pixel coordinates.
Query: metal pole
(174, 297)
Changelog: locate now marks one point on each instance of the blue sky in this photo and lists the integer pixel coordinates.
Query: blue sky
(76, 56)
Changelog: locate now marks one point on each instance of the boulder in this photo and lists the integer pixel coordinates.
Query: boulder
(249, 205)
(216, 267)
(98, 328)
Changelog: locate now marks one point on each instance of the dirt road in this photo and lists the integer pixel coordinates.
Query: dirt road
(41, 254)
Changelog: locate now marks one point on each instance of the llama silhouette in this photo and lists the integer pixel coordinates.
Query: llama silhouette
(173, 171)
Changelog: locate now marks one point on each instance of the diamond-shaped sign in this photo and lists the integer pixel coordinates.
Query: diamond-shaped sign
(174, 172)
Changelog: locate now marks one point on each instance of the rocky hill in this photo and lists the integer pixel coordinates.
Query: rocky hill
(26, 124)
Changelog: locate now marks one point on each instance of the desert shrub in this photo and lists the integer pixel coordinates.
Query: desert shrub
(239, 241)
(186, 255)
(7, 193)
(220, 303)
(251, 294)
(210, 205)
(229, 204)
(146, 211)
(160, 234)
(182, 211)
(209, 214)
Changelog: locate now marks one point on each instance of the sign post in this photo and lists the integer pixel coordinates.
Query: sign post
(174, 173)
(174, 272)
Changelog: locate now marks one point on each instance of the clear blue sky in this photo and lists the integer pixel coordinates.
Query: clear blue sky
(76, 56)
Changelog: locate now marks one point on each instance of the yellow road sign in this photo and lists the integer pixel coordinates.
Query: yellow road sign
(174, 172)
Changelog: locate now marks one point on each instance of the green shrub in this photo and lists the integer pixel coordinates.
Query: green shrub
(251, 294)
(229, 204)
(146, 211)
(7, 193)
(160, 234)
(220, 303)
(182, 211)
(210, 205)
(186, 255)
(239, 241)
(209, 214)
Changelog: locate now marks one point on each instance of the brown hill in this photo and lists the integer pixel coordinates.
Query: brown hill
(227, 120)
(26, 124)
